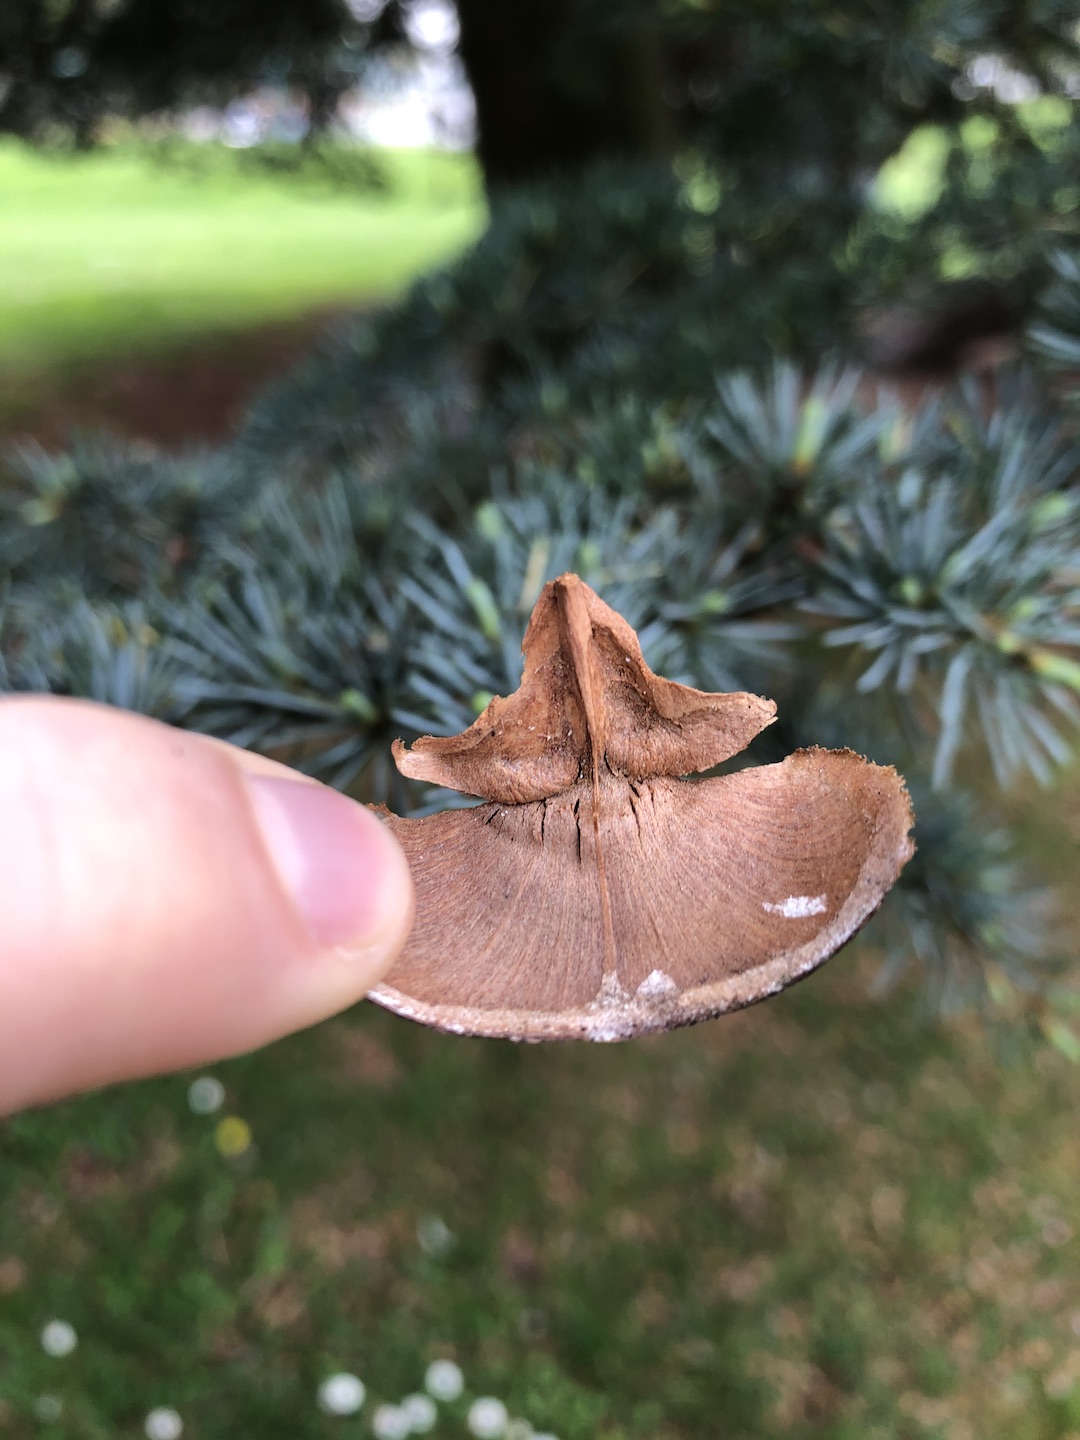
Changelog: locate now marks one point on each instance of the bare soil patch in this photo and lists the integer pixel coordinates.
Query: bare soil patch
(194, 393)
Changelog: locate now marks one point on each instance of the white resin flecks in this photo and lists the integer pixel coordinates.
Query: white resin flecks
(658, 983)
(797, 907)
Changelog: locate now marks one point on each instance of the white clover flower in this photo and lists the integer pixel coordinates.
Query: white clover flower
(341, 1394)
(421, 1412)
(434, 1236)
(48, 1407)
(205, 1095)
(487, 1418)
(390, 1422)
(163, 1424)
(58, 1338)
(519, 1429)
(444, 1380)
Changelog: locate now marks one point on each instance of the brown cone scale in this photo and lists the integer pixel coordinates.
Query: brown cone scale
(599, 894)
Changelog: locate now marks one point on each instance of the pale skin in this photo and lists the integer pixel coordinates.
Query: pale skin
(167, 900)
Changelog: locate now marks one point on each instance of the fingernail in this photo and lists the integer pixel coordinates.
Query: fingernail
(343, 870)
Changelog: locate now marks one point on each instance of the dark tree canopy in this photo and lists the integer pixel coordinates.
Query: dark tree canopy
(824, 90)
(70, 62)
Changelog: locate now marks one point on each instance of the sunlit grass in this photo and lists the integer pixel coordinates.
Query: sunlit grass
(105, 254)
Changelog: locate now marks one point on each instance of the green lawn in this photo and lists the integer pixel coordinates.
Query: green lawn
(111, 252)
(818, 1220)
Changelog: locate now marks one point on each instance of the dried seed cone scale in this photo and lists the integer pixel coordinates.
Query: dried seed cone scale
(601, 894)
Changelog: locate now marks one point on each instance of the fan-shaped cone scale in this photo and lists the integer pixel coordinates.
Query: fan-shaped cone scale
(598, 894)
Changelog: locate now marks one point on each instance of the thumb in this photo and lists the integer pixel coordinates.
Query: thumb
(166, 899)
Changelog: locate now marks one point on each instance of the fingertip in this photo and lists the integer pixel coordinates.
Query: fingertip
(170, 900)
(342, 870)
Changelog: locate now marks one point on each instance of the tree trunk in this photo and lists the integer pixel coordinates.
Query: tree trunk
(555, 91)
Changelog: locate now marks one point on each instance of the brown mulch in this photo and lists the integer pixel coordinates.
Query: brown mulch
(195, 393)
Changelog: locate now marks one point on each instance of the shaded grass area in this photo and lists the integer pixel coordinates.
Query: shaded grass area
(107, 253)
(819, 1218)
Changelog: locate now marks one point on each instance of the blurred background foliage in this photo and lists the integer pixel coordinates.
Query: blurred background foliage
(773, 335)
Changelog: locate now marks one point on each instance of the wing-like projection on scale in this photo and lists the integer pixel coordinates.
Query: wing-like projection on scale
(600, 894)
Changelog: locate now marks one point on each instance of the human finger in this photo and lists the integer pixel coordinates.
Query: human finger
(168, 899)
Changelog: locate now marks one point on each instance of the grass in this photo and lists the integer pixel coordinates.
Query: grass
(115, 252)
(823, 1219)
(817, 1219)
